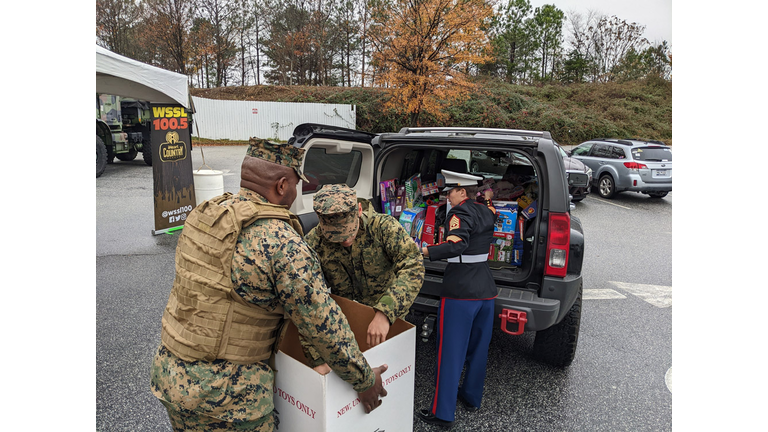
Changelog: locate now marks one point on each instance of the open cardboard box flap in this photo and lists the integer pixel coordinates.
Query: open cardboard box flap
(307, 401)
(359, 317)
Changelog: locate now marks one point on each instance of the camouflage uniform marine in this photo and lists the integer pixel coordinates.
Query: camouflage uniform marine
(383, 268)
(271, 267)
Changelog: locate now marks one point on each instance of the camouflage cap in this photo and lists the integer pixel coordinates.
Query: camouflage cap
(336, 208)
(281, 154)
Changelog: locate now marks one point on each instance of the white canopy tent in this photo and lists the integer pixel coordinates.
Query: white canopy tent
(122, 76)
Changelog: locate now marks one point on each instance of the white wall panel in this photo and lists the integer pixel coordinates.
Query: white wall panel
(240, 120)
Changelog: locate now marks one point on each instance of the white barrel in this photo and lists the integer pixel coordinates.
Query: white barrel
(208, 184)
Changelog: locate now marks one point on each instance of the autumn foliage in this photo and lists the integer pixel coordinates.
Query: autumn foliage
(425, 49)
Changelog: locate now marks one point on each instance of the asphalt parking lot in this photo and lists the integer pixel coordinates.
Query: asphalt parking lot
(620, 379)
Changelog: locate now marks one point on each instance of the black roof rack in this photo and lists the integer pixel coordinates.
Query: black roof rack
(647, 141)
(614, 140)
(473, 131)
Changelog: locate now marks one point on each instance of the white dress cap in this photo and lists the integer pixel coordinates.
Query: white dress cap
(454, 179)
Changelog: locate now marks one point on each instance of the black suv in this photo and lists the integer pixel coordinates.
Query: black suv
(540, 289)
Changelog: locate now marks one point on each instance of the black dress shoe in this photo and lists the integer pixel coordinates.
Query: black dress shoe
(430, 418)
(467, 406)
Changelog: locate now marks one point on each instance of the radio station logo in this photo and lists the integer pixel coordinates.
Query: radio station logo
(172, 149)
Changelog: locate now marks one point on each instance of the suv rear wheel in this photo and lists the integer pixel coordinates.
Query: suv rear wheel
(606, 186)
(556, 345)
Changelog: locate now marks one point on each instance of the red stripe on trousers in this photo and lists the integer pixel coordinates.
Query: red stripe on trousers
(439, 353)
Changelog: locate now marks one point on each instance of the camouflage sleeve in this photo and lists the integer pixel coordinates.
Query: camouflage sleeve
(312, 238)
(408, 266)
(320, 321)
(314, 241)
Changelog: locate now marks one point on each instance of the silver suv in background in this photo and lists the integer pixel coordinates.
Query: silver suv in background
(627, 165)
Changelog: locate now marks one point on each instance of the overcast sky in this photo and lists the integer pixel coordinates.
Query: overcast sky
(655, 15)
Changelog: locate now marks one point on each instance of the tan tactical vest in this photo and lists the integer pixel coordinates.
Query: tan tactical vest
(205, 319)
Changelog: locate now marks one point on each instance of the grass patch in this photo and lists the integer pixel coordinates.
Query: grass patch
(200, 142)
(573, 113)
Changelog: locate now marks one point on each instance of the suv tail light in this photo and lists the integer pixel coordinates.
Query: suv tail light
(558, 243)
(634, 166)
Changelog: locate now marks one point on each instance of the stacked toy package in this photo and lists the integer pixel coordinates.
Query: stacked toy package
(413, 191)
(388, 191)
(392, 197)
(412, 220)
(429, 235)
(507, 243)
(528, 207)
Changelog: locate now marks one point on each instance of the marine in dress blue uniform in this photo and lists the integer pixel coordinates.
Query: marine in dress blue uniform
(465, 314)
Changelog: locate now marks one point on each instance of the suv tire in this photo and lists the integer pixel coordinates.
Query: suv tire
(556, 345)
(475, 167)
(606, 187)
(101, 157)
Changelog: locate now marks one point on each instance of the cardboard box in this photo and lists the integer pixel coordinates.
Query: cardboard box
(417, 231)
(428, 236)
(506, 205)
(399, 202)
(307, 401)
(501, 246)
(506, 220)
(409, 219)
(387, 189)
(530, 211)
(429, 188)
(413, 191)
(524, 201)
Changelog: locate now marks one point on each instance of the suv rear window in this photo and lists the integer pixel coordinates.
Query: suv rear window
(489, 164)
(322, 168)
(653, 154)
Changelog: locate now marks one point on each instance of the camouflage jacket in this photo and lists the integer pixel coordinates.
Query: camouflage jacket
(272, 266)
(383, 268)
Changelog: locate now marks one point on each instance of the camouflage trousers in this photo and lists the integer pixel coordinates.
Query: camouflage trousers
(199, 423)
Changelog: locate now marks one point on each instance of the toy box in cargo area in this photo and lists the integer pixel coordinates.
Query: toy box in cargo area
(420, 210)
(306, 401)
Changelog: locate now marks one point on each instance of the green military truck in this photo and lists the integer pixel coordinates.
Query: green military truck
(122, 130)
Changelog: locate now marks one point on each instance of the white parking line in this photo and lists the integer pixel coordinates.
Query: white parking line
(601, 294)
(668, 379)
(608, 202)
(657, 295)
